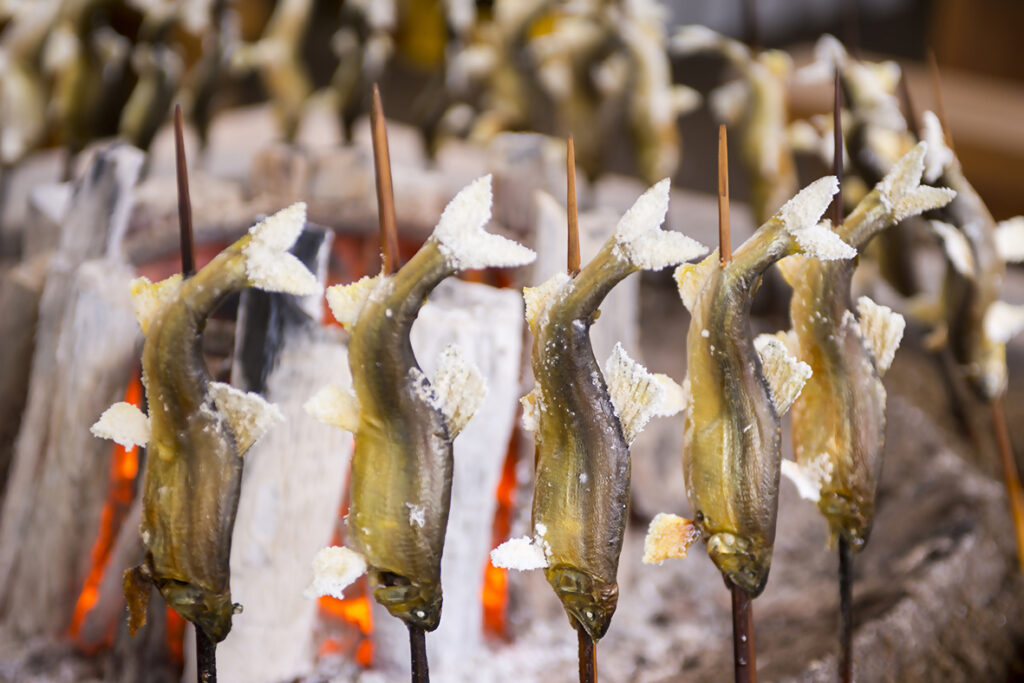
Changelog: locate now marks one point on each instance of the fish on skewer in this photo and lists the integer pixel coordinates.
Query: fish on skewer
(198, 430)
(404, 423)
(584, 420)
(839, 417)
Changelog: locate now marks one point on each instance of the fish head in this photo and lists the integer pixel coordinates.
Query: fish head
(414, 602)
(741, 561)
(208, 609)
(588, 600)
(847, 518)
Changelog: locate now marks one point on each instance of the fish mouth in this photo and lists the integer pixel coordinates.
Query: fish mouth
(847, 518)
(589, 601)
(742, 564)
(209, 610)
(417, 604)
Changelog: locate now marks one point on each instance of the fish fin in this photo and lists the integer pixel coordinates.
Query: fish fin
(882, 329)
(533, 404)
(521, 554)
(334, 406)
(728, 102)
(248, 413)
(792, 268)
(461, 236)
(335, 568)
(784, 373)
(829, 54)
(268, 265)
(690, 278)
(789, 341)
(460, 386)
(539, 299)
(347, 301)
(637, 394)
(807, 486)
(902, 192)
(668, 537)
(694, 39)
(148, 298)
(136, 583)
(124, 424)
(685, 99)
(800, 215)
(957, 248)
(939, 156)
(1003, 321)
(1010, 239)
(641, 242)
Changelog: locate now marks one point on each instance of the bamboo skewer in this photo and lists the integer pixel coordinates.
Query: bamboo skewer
(744, 654)
(587, 646)
(1011, 476)
(206, 648)
(845, 659)
(933, 67)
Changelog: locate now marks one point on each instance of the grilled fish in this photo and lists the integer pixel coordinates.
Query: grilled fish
(404, 423)
(198, 430)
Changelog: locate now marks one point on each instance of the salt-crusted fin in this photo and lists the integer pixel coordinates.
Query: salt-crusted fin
(124, 424)
(792, 268)
(785, 374)
(149, 297)
(939, 155)
(522, 554)
(137, 585)
(268, 264)
(684, 99)
(828, 54)
(957, 248)
(637, 394)
(901, 190)
(334, 406)
(460, 232)
(1010, 239)
(347, 301)
(882, 329)
(539, 299)
(334, 570)
(668, 537)
(789, 341)
(532, 405)
(729, 101)
(800, 217)
(807, 485)
(460, 387)
(248, 413)
(639, 239)
(690, 278)
(1003, 321)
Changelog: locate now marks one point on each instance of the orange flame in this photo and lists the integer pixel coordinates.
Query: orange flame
(494, 594)
(124, 466)
(176, 636)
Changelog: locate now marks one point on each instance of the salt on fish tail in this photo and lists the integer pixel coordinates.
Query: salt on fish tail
(149, 298)
(690, 278)
(882, 330)
(641, 242)
(461, 237)
(901, 191)
(248, 413)
(460, 386)
(268, 265)
(637, 394)
(540, 298)
(800, 218)
(124, 424)
(785, 374)
(334, 406)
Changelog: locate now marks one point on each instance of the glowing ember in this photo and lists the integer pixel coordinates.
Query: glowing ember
(495, 591)
(176, 636)
(124, 466)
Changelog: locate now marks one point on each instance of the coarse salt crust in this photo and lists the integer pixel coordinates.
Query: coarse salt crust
(882, 330)
(638, 395)
(809, 480)
(1010, 239)
(521, 554)
(540, 298)
(423, 389)
(640, 240)
(461, 387)
(149, 298)
(668, 537)
(939, 156)
(532, 406)
(347, 301)
(785, 374)
(1003, 321)
(461, 237)
(334, 569)
(250, 415)
(691, 277)
(268, 265)
(334, 406)
(957, 248)
(901, 192)
(800, 217)
(124, 424)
